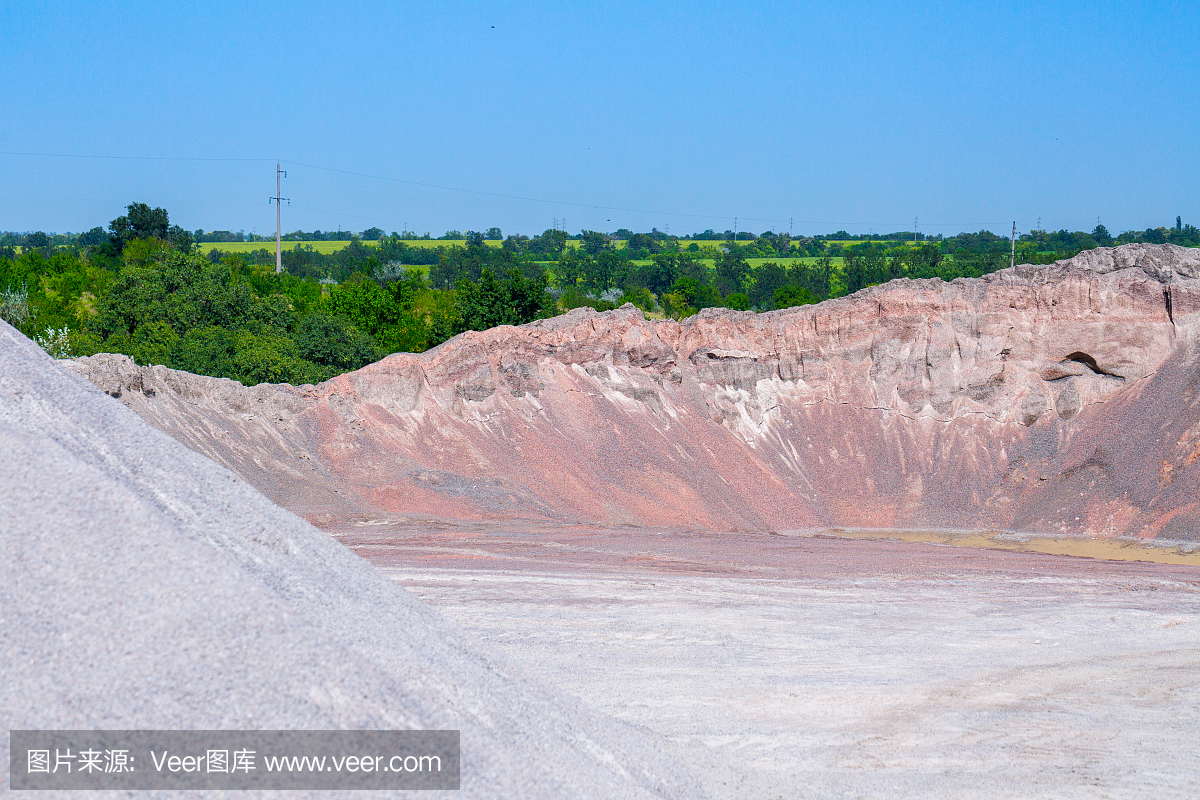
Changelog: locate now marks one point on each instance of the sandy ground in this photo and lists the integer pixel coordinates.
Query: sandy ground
(823, 667)
(143, 587)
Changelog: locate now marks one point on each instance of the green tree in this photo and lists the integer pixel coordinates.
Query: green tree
(144, 222)
(385, 313)
(550, 244)
(767, 279)
(93, 238)
(676, 306)
(924, 261)
(659, 274)
(245, 356)
(334, 343)
(185, 291)
(643, 243)
(732, 272)
(600, 273)
(867, 263)
(738, 301)
(789, 296)
(141, 222)
(640, 296)
(696, 295)
(154, 343)
(511, 300)
(569, 269)
(594, 243)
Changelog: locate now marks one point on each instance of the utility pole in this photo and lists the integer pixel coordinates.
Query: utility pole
(278, 223)
(1012, 259)
(915, 221)
(735, 230)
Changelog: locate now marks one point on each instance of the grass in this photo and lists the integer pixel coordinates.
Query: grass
(331, 247)
(787, 262)
(249, 247)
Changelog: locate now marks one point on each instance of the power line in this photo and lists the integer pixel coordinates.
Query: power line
(518, 197)
(791, 222)
(127, 158)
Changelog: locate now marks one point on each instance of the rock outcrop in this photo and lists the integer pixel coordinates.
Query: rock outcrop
(1060, 399)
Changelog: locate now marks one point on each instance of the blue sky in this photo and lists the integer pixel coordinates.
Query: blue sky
(848, 115)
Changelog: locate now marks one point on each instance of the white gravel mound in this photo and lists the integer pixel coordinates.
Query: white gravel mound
(144, 586)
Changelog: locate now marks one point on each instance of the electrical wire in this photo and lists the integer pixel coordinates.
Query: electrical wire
(484, 193)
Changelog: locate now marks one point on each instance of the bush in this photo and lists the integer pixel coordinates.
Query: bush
(185, 292)
(335, 344)
(737, 301)
(675, 305)
(14, 306)
(251, 358)
(573, 298)
(55, 341)
(512, 300)
(640, 297)
(788, 296)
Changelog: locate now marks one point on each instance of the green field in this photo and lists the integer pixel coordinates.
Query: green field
(248, 247)
(331, 247)
(787, 262)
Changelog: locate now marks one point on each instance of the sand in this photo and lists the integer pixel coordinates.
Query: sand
(144, 587)
(831, 667)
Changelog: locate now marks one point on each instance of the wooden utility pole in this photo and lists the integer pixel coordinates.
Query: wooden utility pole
(278, 220)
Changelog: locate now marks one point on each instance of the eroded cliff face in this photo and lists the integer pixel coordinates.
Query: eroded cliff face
(1062, 398)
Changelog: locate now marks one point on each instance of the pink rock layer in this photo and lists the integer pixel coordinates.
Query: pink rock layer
(1056, 399)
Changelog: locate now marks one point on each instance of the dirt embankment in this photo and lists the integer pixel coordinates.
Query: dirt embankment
(1051, 399)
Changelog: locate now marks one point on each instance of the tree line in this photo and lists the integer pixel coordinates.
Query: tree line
(551, 242)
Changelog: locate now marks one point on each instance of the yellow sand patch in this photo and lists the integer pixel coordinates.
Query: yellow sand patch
(1108, 549)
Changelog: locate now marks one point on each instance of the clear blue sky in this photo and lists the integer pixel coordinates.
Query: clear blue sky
(617, 114)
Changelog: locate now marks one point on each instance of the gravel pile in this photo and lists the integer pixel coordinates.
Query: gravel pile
(142, 586)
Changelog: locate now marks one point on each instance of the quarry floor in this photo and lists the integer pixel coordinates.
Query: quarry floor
(783, 666)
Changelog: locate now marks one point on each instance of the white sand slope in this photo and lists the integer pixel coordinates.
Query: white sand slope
(144, 586)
